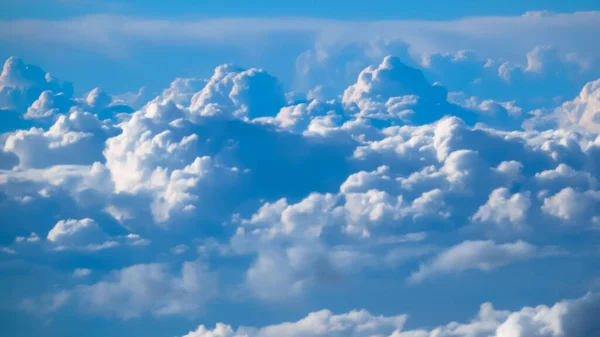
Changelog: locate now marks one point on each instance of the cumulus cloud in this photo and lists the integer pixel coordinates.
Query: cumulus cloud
(402, 89)
(541, 78)
(573, 206)
(300, 193)
(320, 323)
(48, 104)
(330, 67)
(572, 318)
(584, 110)
(21, 84)
(232, 91)
(84, 233)
(78, 132)
(504, 209)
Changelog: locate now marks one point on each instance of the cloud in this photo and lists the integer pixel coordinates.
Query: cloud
(331, 66)
(47, 304)
(573, 318)
(134, 291)
(539, 79)
(48, 104)
(401, 88)
(9, 250)
(87, 235)
(84, 233)
(320, 323)
(150, 288)
(232, 91)
(32, 238)
(481, 255)
(584, 110)
(504, 210)
(21, 84)
(81, 272)
(79, 132)
(573, 206)
(290, 196)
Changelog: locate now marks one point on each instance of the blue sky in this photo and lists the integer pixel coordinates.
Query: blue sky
(309, 169)
(331, 9)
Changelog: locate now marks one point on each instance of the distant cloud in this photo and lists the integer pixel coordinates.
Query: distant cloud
(481, 255)
(573, 318)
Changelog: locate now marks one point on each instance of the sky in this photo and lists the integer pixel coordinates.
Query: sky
(307, 169)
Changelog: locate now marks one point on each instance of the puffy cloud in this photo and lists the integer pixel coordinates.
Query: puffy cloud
(504, 210)
(181, 90)
(325, 189)
(482, 255)
(584, 110)
(49, 104)
(545, 76)
(329, 68)
(79, 234)
(232, 91)
(564, 176)
(573, 206)
(321, 323)
(145, 158)
(81, 182)
(87, 235)
(21, 84)
(79, 132)
(572, 318)
(391, 78)
(402, 89)
(298, 117)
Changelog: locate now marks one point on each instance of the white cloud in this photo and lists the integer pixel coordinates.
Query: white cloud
(504, 209)
(568, 318)
(584, 110)
(321, 323)
(79, 234)
(236, 92)
(573, 206)
(150, 288)
(176, 161)
(79, 132)
(481, 255)
(48, 104)
(154, 156)
(21, 84)
(33, 237)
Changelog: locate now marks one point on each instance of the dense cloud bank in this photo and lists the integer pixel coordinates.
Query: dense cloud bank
(226, 186)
